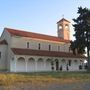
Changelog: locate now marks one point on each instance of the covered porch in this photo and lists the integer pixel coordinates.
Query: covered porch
(21, 63)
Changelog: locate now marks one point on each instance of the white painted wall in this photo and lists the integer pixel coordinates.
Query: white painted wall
(21, 42)
(3, 58)
(6, 36)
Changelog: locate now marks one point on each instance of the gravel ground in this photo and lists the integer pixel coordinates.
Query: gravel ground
(69, 86)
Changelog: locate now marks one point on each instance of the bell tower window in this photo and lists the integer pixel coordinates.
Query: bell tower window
(66, 26)
(60, 27)
(63, 29)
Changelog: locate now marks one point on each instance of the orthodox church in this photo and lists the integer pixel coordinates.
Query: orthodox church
(22, 51)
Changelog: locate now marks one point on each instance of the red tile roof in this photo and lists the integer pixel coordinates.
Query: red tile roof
(18, 51)
(3, 42)
(63, 19)
(35, 35)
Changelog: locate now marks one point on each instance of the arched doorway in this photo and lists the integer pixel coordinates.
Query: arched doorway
(57, 64)
(48, 65)
(21, 65)
(31, 65)
(40, 64)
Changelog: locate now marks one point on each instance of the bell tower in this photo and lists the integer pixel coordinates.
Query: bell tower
(63, 29)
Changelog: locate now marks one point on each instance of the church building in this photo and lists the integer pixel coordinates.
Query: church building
(22, 51)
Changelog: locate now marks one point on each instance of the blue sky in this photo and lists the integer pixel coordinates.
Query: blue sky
(38, 15)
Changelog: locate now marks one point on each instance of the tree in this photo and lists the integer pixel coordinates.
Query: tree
(82, 33)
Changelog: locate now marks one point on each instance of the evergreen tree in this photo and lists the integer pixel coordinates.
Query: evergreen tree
(82, 32)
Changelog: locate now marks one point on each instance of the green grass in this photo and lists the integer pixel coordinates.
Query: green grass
(60, 75)
(8, 79)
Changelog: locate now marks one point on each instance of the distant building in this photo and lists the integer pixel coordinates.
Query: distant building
(22, 51)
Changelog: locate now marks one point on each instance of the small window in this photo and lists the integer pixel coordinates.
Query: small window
(27, 44)
(39, 46)
(69, 62)
(49, 47)
(58, 48)
(0, 55)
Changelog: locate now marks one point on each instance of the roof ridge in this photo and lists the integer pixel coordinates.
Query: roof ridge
(30, 32)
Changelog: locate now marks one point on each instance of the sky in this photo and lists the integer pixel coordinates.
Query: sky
(38, 16)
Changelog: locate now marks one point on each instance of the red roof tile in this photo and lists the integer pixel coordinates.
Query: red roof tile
(3, 42)
(18, 51)
(35, 35)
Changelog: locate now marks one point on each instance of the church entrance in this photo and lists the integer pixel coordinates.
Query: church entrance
(57, 65)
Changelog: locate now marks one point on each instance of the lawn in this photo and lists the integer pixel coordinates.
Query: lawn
(62, 77)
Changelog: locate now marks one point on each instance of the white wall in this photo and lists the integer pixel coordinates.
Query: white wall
(3, 62)
(6, 36)
(21, 42)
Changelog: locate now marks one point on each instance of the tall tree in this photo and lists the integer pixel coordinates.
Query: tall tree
(82, 33)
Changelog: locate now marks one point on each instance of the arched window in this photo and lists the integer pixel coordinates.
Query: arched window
(40, 59)
(66, 26)
(27, 44)
(39, 46)
(48, 59)
(58, 48)
(31, 59)
(21, 58)
(49, 47)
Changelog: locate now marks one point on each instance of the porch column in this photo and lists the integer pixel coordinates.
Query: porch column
(26, 61)
(15, 64)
